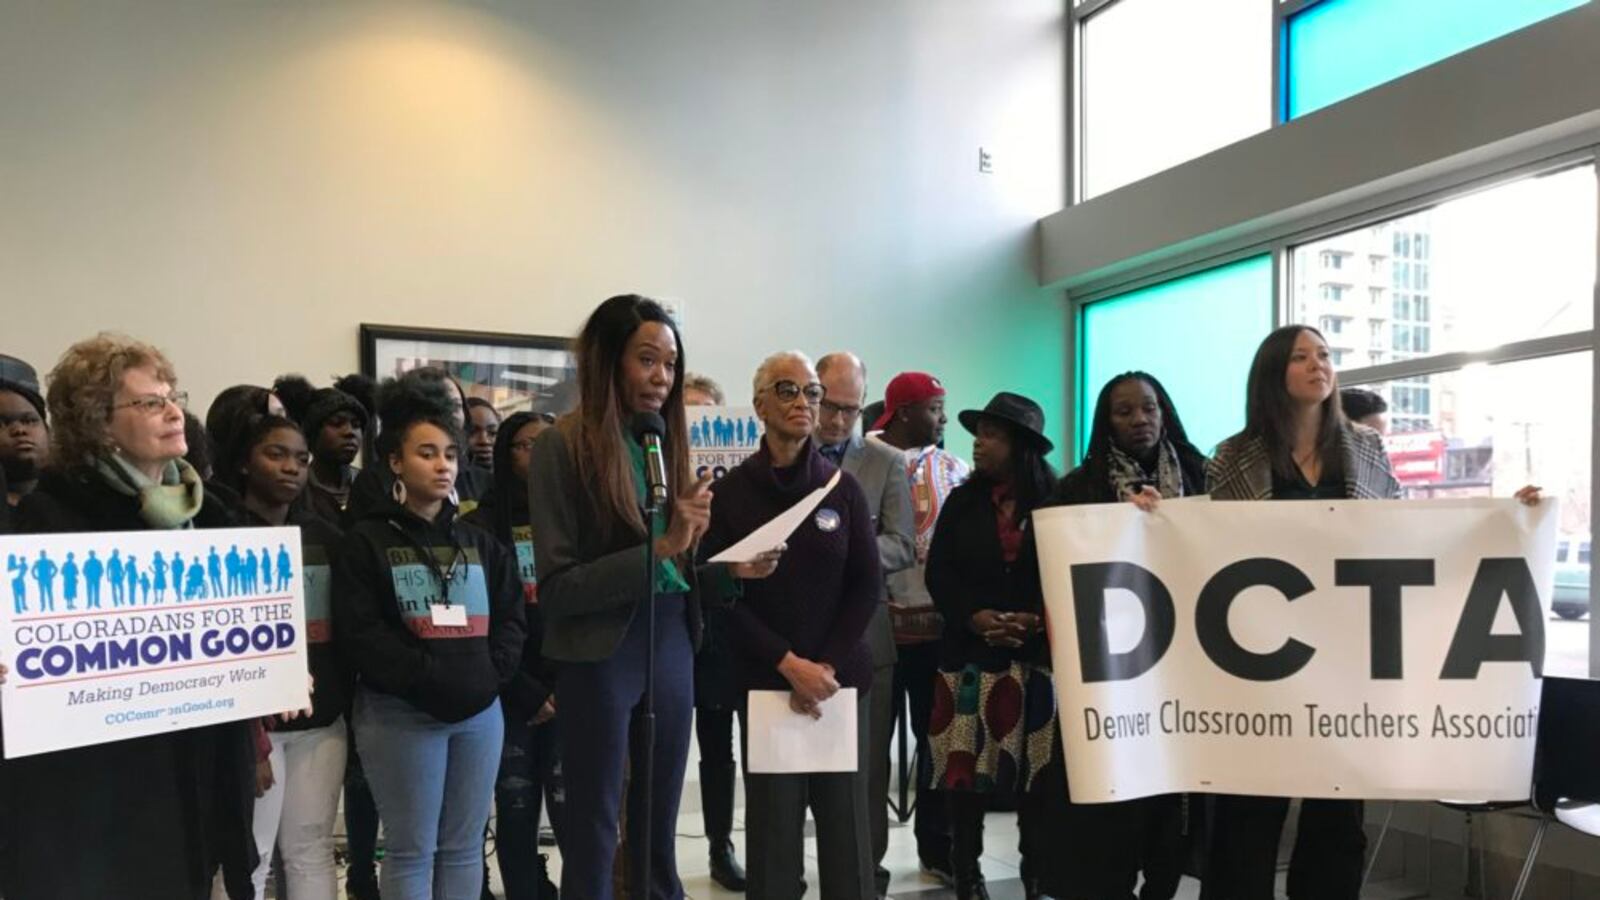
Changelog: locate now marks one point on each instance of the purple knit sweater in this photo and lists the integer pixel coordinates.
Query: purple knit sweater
(825, 590)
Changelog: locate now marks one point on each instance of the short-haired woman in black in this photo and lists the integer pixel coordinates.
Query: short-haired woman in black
(985, 583)
(1136, 441)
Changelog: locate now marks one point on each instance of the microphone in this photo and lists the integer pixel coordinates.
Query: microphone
(648, 427)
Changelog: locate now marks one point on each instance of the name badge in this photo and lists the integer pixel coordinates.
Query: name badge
(453, 615)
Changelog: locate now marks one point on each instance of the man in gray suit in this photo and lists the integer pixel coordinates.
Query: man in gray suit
(882, 475)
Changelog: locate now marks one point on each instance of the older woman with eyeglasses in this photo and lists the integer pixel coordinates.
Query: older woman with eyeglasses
(152, 816)
(802, 630)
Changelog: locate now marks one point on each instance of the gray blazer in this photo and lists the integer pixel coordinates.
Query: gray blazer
(588, 588)
(881, 472)
(1241, 469)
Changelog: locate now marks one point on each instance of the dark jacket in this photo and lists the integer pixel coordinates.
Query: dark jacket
(589, 586)
(384, 588)
(326, 505)
(503, 512)
(827, 585)
(334, 679)
(967, 572)
(150, 817)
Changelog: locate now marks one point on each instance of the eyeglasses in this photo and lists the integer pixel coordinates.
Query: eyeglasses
(788, 390)
(830, 408)
(155, 404)
(522, 446)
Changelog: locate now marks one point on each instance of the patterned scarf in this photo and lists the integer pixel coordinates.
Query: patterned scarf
(1126, 472)
(167, 504)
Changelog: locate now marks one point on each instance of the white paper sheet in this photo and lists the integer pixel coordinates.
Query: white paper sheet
(777, 529)
(784, 742)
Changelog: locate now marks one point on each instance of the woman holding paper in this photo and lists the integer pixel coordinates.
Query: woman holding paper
(428, 611)
(586, 484)
(152, 816)
(801, 633)
(994, 708)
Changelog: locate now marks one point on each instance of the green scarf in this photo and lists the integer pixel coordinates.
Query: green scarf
(168, 504)
(668, 579)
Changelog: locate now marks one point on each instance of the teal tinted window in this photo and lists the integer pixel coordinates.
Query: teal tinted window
(1195, 334)
(1339, 48)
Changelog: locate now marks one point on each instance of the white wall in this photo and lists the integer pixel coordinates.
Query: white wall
(243, 183)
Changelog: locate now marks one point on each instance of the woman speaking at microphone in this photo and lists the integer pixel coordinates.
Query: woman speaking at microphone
(587, 483)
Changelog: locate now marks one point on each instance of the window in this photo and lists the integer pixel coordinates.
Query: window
(1332, 325)
(1196, 334)
(1456, 269)
(1332, 260)
(1337, 356)
(1487, 430)
(1339, 48)
(1165, 81)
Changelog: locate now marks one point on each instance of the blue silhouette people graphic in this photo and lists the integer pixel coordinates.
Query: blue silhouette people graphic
(144, 587)
(694, 435)
(44, 575)
(197, 582)
(234, 569)
(114, 569)
(177, 576)
(159, 567)
(751, 431)
(266, 571)
(18, 570)
(130, 570)
(214, 569)
(739, 431)
(285, 568)
(69, 581)
(93, 570)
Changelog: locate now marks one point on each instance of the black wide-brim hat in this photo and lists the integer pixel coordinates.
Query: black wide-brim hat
(1023, 415)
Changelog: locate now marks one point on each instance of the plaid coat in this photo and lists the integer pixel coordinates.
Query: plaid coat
(1242, 470)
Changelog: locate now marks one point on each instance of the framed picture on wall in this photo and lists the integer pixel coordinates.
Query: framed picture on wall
(515, 372)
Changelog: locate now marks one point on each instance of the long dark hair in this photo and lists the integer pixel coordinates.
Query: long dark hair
(595, 430)
(510, 492)
(1097, 458)
(1269, 412)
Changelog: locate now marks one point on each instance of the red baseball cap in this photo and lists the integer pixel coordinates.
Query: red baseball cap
(907, 388)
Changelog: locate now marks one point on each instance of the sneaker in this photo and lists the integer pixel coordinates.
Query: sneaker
(939, 872)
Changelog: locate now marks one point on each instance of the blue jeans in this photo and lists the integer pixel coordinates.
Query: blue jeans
(433, 783)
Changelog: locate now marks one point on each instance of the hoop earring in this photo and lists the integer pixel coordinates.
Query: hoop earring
(398, 492)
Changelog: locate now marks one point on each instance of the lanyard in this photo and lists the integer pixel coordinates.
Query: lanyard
(445, 576)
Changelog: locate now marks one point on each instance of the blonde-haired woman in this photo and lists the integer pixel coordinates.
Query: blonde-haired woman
(152, 816)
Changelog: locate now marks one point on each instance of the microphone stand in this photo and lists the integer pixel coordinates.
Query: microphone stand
(643, 776)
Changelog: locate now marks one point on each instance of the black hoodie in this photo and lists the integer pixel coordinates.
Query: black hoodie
(383, 590)
(334, 681)
(503, 512)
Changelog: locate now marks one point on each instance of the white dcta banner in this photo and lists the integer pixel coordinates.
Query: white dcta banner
(1357, 649)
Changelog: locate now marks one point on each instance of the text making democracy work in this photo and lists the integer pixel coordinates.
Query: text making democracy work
(56, 649)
